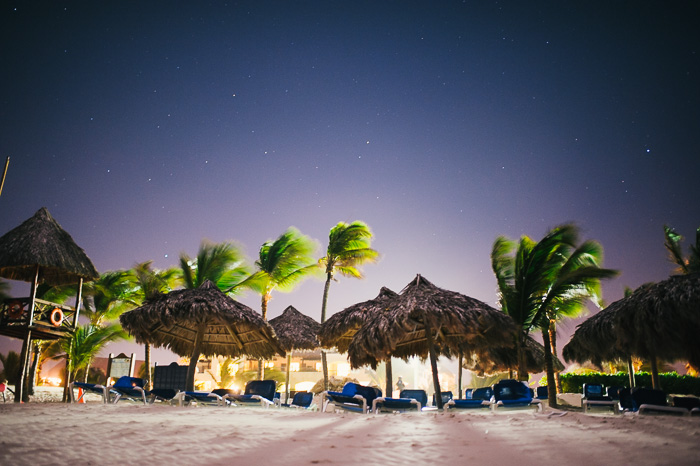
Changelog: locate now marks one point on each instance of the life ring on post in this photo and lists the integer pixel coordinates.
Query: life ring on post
(15, 309)
(56, 317)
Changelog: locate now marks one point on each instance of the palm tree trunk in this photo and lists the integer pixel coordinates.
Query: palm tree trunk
(147, 362)
(36, 354)
(87, 370)
(194, 358)
(549, 364)
(324, 360)
(433, 361)
(654, 373)
(553, 340)
(263, 305)
(520, 349)
(630, 371)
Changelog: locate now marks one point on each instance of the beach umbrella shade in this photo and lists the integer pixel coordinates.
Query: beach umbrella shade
(658, 321)
(295, 331)
(40, 245)
(203, 320)
(40, 251)
(428, 321)
(503, 359)
(339, 329)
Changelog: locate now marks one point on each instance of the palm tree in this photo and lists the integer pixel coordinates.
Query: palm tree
(10, 367)
(348, 248)
(282, 264)
(545, 281)
(148, 283)
(79, 346)
(691, 264)
(223, 264)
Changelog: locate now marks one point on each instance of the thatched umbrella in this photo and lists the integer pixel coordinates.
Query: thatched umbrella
(502, 359)
(339, 329)
(661, 320)
(295, 331)
(203, 320)
(427, 321)
(40, 251)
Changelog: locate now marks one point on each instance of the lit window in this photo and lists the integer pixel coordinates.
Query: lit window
(319, 367)
(294, 367)
(343, 369)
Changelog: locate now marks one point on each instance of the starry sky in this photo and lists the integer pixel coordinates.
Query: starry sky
(146, 127)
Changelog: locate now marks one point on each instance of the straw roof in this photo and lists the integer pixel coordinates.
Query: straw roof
(596, 339)
(40, 241)
(339, 329)
(500, 359)
(457, 322)
(663, 320)
(232, 329)
(295, 330)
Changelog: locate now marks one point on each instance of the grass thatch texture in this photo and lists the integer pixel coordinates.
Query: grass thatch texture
(232, 329)
(502, 359)
(295, 330)
(40, 241)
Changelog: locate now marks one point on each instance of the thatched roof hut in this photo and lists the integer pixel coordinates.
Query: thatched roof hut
(41, 242)
(502, 359)
(295, 330)
(661, 320)
(198, 321)
(428, 321)
(339, 329)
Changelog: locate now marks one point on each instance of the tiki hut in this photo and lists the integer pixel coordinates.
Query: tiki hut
(295, 331)
(342, 326)
(428, 321)
(192, 322)
(658, 321)
(503, 359)
(40, 251)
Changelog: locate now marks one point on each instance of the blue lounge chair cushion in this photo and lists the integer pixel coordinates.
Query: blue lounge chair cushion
(594, 392)
(256, 389)
(301, 400)
(129, 388)
(483, 393)
(346, 399)
(542, 393)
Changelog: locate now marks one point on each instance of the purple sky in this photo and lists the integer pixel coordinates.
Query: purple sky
(145, 127)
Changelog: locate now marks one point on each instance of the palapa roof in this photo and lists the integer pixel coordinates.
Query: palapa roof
(457, 323)
(40, 241)
(502, 359)
(660, 320)
(295, 330)
(339, 329)
(232, 329)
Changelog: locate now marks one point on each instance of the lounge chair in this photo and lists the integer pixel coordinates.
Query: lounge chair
(649, 400)
(96, 388)
(509, 393)
(128, 388)
(542, 393)
(593, 396)
(409, 400)
(446, 396)
(257, 392)
(354, 397)
(688, 402)
(480, 398)
(301, 400)
(169, 383)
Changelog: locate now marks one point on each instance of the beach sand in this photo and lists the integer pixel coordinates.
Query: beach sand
(126, 433)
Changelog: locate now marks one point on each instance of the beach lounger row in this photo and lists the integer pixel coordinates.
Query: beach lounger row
(641, 400)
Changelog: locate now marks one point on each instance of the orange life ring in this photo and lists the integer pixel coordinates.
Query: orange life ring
(15, 309)
(56, 317)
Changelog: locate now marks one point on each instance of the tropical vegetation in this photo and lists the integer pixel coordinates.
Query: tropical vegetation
(542, 282)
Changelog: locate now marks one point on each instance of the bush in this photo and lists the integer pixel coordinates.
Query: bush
(671, 382)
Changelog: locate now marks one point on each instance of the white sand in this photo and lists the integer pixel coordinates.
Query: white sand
(126, 433)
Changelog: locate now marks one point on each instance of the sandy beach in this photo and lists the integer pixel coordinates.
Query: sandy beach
(55, 433)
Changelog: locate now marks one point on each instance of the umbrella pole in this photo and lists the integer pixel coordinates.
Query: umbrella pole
(433, 361)
(459, 374)
(286, 384)
(389, 377)
(654, 374)
(196, 351)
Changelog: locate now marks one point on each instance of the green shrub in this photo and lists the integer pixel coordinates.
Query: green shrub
(671, 382)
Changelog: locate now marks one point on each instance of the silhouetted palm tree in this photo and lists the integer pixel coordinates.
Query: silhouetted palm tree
(348, 249)
(543, 281)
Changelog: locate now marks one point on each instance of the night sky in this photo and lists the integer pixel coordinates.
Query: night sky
(146, 127)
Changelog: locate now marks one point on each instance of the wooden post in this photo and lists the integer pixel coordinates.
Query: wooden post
(630, 371)
(286, 384)
(459, 374)
(21, 394)
(389, 378)
(194, 358)
(433, 361)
